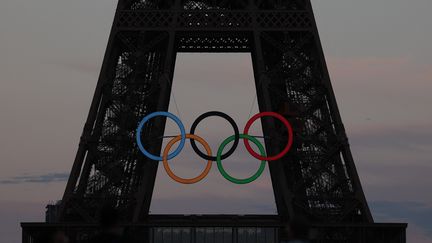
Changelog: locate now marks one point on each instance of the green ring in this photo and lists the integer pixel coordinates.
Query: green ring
(225, 174)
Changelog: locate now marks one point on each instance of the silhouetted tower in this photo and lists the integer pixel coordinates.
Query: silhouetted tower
(317, 180)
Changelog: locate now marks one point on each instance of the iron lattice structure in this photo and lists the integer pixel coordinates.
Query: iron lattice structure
(317, 180)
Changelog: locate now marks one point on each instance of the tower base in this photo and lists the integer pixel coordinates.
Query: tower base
(226, 229)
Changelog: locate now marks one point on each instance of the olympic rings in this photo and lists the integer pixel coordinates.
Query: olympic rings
(290, 136)
(219, 156)
(226, 175)
(226, 117)
(179, 179)
(176, 120)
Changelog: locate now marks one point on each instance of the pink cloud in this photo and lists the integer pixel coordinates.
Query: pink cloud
(375, 70)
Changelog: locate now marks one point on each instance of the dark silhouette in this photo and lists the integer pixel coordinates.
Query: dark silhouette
(111, 230)
(59, 237)
(53, 236)
(318, 180)
(290, 75)
(296, 231)
(292, 112)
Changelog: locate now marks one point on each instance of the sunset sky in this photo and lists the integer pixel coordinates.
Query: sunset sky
(380, 60)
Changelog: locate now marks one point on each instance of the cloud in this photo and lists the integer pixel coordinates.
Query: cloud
(83, 66)
(380, 75)
(414, 137)
(417, 215)
(44, 178)
(394, 161)
(385, 90)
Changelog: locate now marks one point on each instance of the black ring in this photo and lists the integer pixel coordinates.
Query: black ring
(226, 117)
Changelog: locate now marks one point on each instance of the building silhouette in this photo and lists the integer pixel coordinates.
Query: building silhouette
(316, 181)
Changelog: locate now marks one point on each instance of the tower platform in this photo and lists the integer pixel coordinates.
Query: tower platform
(225, 229)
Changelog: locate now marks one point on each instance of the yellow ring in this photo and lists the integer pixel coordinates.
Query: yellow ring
(183, 180)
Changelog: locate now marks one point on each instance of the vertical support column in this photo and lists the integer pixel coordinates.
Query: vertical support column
(281, 191)
(25, 236)
(235, 234)
(336, 117)
(108, 67)
(145, 193)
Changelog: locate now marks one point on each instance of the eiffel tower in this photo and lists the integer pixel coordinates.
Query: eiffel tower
(316, 181)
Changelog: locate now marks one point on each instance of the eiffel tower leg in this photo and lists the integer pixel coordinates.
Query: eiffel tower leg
(113, 166)
(317, 179)
(144, 195)
(135, 80)
(145, 192)
(340, 129)
(107, 72)
(281, 191)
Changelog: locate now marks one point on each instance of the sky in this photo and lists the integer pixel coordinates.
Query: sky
(380, 63)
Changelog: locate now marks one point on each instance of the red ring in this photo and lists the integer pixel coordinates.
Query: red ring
(284, 121)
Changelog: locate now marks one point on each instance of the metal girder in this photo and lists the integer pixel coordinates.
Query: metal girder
(213, 20)
(316, 180)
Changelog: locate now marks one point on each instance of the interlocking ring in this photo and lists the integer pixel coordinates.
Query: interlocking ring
(176, 120)
(290, 136)
(219, 157)
(226, 175)
(183, 180)
(224, 116)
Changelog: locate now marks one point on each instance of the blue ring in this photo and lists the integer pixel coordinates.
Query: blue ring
(176, 120)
